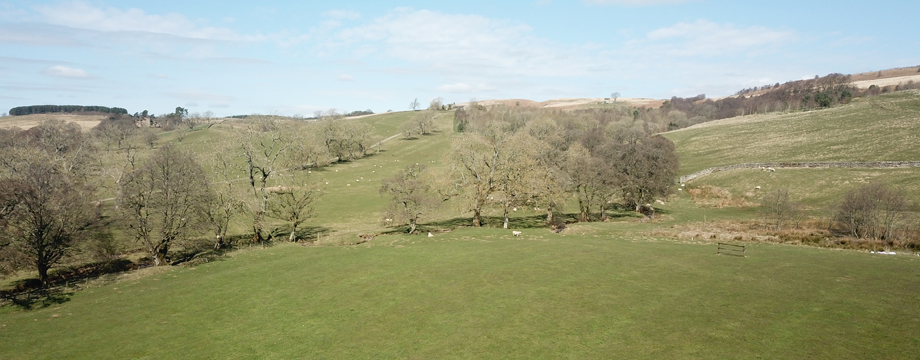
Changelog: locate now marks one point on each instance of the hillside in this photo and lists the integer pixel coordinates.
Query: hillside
(882, 128)
(28, 121)
(614, 287)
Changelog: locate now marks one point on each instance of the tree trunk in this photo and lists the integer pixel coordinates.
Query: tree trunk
(412, 226)
(43, 273)
(293, 237)
(505, 226)
(477, 221)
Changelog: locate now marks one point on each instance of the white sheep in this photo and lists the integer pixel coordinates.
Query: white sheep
(770, 169)
(516, 233)
(757, 187)
(430, 235)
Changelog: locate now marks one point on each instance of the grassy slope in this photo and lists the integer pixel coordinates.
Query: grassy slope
(874, 129)
(818, 188)
(600, 291)
(484, 294)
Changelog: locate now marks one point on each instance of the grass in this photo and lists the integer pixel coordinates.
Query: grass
(480, 293)
(815, 187)
(598, 290)
(882, 128)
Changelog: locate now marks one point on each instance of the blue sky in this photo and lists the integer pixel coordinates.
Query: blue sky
(292, 57)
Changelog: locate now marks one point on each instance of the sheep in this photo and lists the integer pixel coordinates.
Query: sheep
(771, 169)
(516, 233)
(430, 235)
(757, 187)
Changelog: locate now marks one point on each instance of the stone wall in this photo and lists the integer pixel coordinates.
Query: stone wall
(788, 165)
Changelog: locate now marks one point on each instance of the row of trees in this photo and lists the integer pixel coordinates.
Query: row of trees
(52, 175)
(506, 158)
(46, 109)
(874, 211)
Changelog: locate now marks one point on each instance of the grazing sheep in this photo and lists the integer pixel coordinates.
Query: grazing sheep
(516, 233)
(430, 235)
(757, 187)
(770, 169)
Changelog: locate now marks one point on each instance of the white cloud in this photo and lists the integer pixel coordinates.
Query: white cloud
(460, 44)
(705, 38)
(198, 95)
(83, 15)
(455, 88)
(634, 2)
(341, 15)
(465, 88)
(66, 72)
(346, 78)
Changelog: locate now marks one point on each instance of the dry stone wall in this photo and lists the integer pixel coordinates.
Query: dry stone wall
(786, 165)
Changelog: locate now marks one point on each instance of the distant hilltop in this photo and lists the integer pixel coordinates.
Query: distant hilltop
(46, 109)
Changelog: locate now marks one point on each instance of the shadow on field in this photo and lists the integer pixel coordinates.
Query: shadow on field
(38, 298)
(29, 293)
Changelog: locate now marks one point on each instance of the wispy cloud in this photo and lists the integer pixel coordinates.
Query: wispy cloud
(635, 2)
(341, 15)
(66, 72)
(706, 39)
(451, 44)
(83, 15)
(346, 78)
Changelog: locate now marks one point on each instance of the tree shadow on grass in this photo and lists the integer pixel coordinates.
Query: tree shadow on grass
(30, 293)
(36, 298)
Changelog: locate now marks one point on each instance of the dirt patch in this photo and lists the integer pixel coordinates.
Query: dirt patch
(890, 73)
(714, 196)
(883, 82)
(24, 122)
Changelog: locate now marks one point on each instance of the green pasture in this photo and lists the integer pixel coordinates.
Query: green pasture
(482, 293)
(881, 128)
(596, 290)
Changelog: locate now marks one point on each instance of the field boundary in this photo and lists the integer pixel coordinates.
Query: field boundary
(792, 165)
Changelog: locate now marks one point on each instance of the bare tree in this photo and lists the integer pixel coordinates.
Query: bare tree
(45, 202)
(645, 170)
(411, 197)
(164, 199)
(50, 215)
(414, 105)
(777, 209)
(873, 211)
(474, 163)
(436, 104)
(263, 146)
(224, 202)
(615, 95)
(591, 180)
(294, 203)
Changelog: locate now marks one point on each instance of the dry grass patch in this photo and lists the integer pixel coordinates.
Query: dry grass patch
(86, 122)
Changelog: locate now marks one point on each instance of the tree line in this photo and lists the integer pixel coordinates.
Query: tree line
(53, 176)
(46, 109)
(820, 92)
(505, 158)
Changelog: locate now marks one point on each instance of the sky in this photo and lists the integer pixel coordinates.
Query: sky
(298, 57)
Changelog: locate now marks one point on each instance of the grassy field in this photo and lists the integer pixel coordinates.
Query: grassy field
(882, 128)
(485, 294)
(598, 290)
